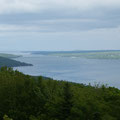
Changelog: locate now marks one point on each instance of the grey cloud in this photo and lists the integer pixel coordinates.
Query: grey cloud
(83, 21)
(59, 21)
(28, 6)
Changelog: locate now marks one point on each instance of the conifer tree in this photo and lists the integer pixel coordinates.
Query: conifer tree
(66, 104)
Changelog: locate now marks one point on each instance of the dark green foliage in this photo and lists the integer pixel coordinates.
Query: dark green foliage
(23, 97)
(11, 63)
(66, 104)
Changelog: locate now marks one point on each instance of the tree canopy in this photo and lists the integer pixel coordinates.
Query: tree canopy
(23, 97)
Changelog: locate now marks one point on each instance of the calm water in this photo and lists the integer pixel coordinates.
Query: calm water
(73, 69)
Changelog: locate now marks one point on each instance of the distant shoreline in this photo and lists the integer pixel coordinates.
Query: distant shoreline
(100, 54)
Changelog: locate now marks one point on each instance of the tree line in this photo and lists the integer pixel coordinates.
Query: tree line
(23, 97)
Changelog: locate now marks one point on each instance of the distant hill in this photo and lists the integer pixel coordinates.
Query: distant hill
(100, 54)
(9, 55)
(11, 63)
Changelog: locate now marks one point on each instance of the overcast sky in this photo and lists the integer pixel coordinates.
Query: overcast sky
(59, 25)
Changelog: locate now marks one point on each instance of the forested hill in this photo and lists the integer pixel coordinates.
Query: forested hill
(23, 97)
(11, 63)
(5, 55)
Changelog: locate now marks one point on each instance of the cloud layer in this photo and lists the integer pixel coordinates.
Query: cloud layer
(84, 24)
(18, 6)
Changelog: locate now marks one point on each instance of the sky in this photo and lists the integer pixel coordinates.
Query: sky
(28, 25)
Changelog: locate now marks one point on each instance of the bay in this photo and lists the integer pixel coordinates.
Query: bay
(79, 70)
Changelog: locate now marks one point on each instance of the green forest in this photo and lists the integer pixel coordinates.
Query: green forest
(24, 97)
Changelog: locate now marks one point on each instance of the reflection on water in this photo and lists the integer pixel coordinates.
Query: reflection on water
(73, 69)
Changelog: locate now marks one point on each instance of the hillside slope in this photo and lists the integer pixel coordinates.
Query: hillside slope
(23, 97)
